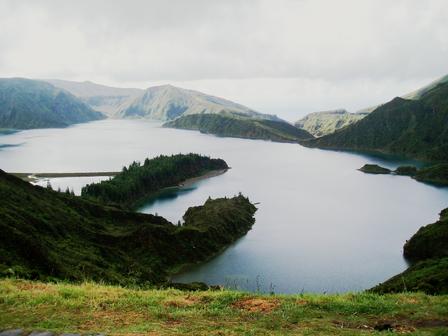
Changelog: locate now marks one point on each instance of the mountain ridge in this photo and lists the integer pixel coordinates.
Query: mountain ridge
(27, 103)
(412, 128)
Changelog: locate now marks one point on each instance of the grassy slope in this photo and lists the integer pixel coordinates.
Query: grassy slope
(327, 122)
(240, 127)
(91, 307)
(413, 128)
(46, 234)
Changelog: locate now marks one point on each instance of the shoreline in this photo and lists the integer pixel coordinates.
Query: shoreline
(34, 177)
(210, 174)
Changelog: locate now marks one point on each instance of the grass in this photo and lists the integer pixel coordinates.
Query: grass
(92, 307)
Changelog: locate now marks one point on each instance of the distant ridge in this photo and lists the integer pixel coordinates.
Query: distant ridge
(163, 102)
(327, 122)
(167, 102)
(413, 128)
(27, 103)
(106, 99)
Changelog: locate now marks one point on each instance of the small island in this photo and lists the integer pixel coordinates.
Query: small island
(374, 169)
(436, 174)
(138, 182)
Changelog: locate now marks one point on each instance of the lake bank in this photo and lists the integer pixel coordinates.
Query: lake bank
(315, 209)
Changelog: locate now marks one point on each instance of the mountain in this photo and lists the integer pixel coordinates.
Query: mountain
(411, 128)
(26, 103)
(237, 126)
(164, 102)
(50, 235)
(106, 99)
(168, 102)
(326, 122)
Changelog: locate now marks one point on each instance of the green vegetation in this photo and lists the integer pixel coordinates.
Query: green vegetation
(406, 170)
(431, 241)
(428, 251)
(49, 235)
(240, 126)
(93, 308)
(412, 128)
(437, 174)
(327, 122)
(374, 169)
(137, 182)
(428, 276)
(34, 104)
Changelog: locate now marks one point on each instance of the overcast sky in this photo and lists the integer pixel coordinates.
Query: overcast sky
(287, 57)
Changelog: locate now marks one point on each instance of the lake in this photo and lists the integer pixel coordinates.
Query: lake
(321, 225)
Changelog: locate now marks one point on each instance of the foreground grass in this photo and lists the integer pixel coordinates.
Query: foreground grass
(91, 307)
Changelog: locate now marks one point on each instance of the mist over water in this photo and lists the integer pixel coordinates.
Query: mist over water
(321, 224)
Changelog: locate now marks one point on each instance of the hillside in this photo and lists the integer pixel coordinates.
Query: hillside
(411, 128)
(106, 99)
(428, 251)
(168, 102)
(91, 309)
(138, 182)
(26, 103)
(229, 125)
(326, 122)
(49, 235)
(417, 94)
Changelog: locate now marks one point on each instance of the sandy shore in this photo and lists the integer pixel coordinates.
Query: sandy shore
(37, 176)
(210, 174)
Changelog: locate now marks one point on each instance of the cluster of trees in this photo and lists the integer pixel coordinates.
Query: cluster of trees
(139, 181)
(48, 235)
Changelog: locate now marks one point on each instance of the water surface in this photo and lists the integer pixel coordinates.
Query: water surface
(321, 224)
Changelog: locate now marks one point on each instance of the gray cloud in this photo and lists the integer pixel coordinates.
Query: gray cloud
(307, 42)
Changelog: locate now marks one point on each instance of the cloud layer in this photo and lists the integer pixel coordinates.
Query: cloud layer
(320, 48)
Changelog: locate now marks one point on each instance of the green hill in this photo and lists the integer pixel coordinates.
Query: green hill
(411, 128)
(428, 252)
(238, 126)
(26, 103)
(326, 122)
(51, 235)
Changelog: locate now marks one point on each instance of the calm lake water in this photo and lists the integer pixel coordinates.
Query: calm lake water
(321, 225)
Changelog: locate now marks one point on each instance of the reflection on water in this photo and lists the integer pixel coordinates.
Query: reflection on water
(321, 224)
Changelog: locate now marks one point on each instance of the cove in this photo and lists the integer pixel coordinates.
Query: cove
(321, 225)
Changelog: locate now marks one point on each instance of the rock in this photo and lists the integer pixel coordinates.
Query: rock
(14, 332)
(41, 333)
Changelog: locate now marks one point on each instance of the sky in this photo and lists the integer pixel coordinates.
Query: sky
(287, 57)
